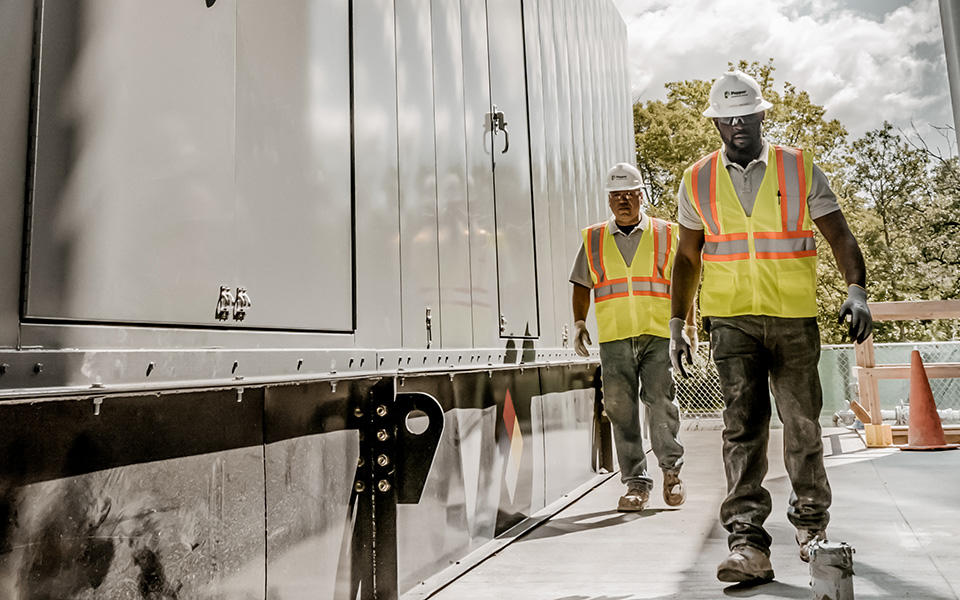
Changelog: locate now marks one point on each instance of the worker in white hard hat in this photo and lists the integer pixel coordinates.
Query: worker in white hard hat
(746, 214)
(627, 261)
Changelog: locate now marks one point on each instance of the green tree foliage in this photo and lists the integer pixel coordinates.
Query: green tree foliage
(901, 199)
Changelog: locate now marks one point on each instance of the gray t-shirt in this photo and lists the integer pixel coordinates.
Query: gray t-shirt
(626, 242)
(821, 200)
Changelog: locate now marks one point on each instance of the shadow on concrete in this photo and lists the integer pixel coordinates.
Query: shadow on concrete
(576, 523)
(774, 588)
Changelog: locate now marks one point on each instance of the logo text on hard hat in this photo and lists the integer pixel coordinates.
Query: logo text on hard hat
(734, 93)
(619, 177)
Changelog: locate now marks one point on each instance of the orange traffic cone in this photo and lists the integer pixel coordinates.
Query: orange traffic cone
(925, 432)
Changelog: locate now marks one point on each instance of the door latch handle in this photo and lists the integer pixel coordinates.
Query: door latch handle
(224, 304)
(242, 304)
(499, 121)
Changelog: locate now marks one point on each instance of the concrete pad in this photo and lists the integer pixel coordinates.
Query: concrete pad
(899, 510)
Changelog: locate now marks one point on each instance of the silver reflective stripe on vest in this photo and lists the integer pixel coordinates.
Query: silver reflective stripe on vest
(794, 193)
(704, 179)
(765, 246)
(663, 246)
(603, 292)
(645, 287)
(727, 247)
(596, 251)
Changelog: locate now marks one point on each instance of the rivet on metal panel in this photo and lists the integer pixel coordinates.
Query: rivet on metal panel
(3, 368)
(359, 487)
(383, 460)
(358, 412)
(96, 406)
(150, 368)
(382, 435)
(350, 364)
(383, 485)
(38, 368)
(299, 363)
(242, 304)
(236, 365)
(361, 462)
(381, 411)
(490, 374)
(362, 360)
(333, 365)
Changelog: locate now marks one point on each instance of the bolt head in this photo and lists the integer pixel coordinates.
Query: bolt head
(359, 487)
(381, 411)
(383, 485)
(383, 460)
(382, 435)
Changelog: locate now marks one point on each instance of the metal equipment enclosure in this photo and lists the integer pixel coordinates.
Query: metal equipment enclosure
(246, 244)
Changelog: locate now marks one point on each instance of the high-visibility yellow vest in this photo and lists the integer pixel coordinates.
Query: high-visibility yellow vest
(632, 300)
(764, 264)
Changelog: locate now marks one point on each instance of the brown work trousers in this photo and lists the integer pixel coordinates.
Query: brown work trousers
(754, 356)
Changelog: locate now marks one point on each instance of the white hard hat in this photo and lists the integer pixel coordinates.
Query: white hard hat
(623, 176)
(735, 94)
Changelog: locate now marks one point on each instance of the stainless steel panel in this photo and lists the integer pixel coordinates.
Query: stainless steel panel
(376, 192)
(555, 260)
(568, 243)
(292, 241)
(133, 497)
(516, 261)
(537, 97)
(627, 95)
(16, 48)
(133, 214)
(483, 243)
(308, 485)
(950, 24)
(418, 176)
(567, 419)
(455, 327)
(458, 509)
(573, 10)
(586, 114)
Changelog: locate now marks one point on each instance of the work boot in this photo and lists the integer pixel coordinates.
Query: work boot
(634, 500)
(673, 492)
(745, 564)
(807, 536)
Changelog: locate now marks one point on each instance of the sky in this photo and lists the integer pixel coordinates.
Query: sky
(866, 61)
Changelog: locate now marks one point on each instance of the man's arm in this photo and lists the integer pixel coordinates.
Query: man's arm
(845, 249)
(847, 252)
(581, 302)
(686, 273)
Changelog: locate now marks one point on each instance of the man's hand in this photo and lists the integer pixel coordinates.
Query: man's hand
(679, 346)
(581, 337)
(861, 322)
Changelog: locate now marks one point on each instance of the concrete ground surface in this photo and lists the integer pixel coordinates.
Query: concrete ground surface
(899, 510)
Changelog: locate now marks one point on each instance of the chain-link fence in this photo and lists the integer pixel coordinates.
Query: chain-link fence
(699, 396)
(840, 382)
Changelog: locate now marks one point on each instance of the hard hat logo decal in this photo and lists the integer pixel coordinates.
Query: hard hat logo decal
(734, 93)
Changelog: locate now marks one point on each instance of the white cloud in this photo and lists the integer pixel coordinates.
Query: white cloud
(863, 68)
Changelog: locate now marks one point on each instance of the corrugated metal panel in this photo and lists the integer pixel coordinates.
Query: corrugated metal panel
(537, 100)
(483, 248)
(418, 191)
(559, 232)
(456, 319)
(376, 184)
(293, 237)
(16, 49)
(134, 190)
(516, 266)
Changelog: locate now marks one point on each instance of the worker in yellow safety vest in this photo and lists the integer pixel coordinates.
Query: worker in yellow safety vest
(746, 213)
(627, 262)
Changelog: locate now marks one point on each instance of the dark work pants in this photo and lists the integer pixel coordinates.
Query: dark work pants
(754, 356)
(623, 362)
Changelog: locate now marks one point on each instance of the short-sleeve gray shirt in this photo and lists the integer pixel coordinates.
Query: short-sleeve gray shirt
(626, 242)
(746, 182)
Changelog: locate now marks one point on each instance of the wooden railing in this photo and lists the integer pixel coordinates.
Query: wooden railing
(869, 373)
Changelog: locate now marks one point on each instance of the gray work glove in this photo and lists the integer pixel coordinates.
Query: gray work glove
(581, 337)
(679, 346)
(861, 323)
(691, 331)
